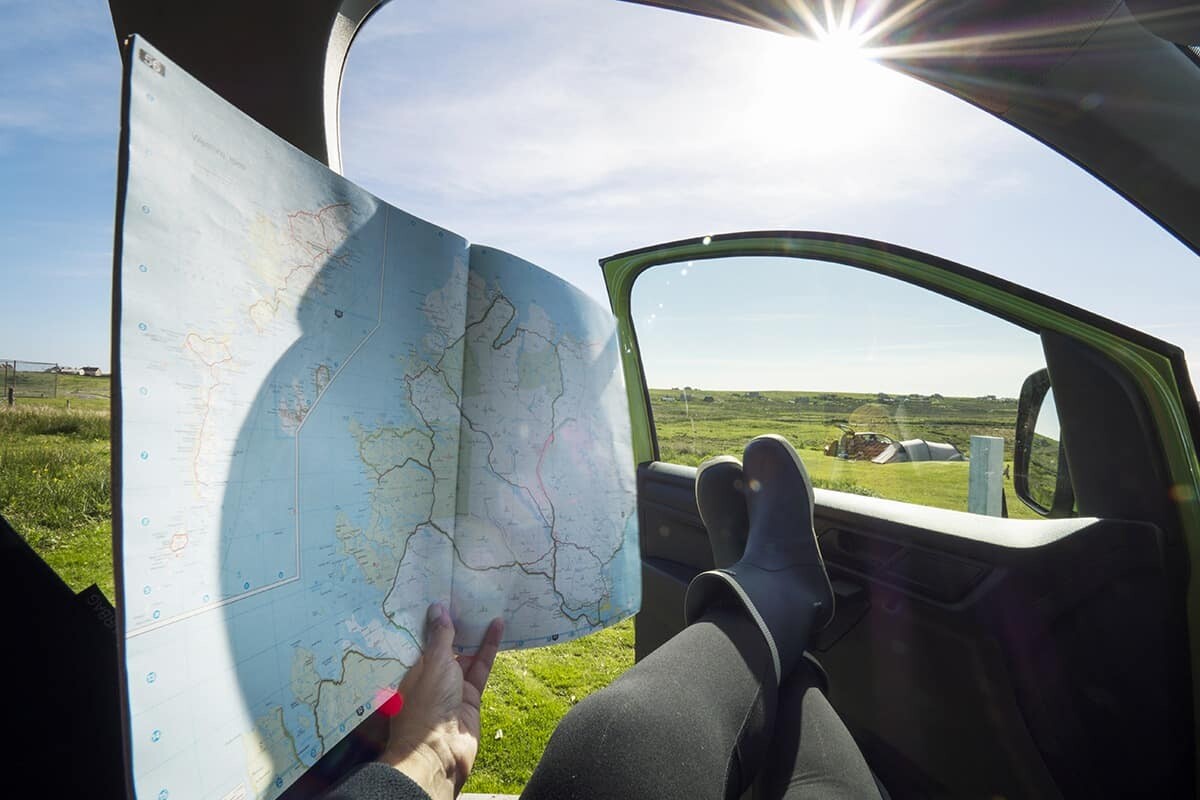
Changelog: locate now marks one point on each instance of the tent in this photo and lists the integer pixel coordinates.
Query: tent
(918, 450)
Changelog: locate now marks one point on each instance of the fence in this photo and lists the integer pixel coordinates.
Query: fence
(27, 379)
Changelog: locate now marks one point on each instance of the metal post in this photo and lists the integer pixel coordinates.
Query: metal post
(985, 480)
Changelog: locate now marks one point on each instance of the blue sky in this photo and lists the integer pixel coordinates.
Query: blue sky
(567, 131)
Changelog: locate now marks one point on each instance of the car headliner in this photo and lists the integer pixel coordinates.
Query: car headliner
(1109, 84)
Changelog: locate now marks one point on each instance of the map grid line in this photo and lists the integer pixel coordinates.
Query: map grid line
(152, 626)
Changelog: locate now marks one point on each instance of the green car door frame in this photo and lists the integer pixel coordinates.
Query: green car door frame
(1154, 404)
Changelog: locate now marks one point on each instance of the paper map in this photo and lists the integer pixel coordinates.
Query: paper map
(332, 414)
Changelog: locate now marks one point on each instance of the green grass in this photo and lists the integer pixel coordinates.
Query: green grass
(530, 691)
(55, 488)
(691, 431)
(70, 391)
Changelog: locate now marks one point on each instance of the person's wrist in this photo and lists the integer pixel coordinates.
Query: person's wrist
(429, 763)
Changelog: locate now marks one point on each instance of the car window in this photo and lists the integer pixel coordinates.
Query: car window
(886, 389)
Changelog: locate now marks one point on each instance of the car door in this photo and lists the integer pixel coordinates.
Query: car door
(1011, 653)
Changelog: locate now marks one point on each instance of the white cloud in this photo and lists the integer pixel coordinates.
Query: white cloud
(564, 128)
(565, 136)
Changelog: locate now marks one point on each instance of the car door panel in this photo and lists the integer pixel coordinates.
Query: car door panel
(1040, 629)
(976, 656)
(1056, 638)
(674, 549)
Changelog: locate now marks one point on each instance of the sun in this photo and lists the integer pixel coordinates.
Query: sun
(842, 43)
(824, 95)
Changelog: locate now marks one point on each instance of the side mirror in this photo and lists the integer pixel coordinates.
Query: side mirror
(1040, 475)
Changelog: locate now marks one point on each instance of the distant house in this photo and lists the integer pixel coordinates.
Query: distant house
(91, 372)
(754, 395)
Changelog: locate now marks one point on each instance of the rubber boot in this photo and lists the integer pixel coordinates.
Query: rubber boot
(780, 580)
(721, 501)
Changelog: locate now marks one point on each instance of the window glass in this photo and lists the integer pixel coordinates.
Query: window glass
(882, 386)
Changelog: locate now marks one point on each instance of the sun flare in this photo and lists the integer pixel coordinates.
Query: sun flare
(824, 95)
(841, 43)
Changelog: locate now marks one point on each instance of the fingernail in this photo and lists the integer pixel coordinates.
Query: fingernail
(435, 613)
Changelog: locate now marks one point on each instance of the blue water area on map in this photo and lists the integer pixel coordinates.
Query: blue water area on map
(346, 370)
(258, 525)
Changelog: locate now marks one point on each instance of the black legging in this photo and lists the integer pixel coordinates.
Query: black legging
(700, 719)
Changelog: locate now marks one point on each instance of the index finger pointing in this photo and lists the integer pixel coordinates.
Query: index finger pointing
(481, 662)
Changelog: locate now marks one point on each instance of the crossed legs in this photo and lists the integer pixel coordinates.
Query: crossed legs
(728, 699)
(695, 720)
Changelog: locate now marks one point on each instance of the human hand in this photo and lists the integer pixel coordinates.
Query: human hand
(435, 737)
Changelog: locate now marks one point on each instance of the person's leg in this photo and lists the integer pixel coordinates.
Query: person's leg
(811, 753)
(691, 720)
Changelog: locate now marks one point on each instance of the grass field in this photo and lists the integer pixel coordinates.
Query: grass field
(693, 429)
(69, 391)
(530, 691)
(55, 489)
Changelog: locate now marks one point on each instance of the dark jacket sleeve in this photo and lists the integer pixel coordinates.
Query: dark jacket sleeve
(376, 781)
